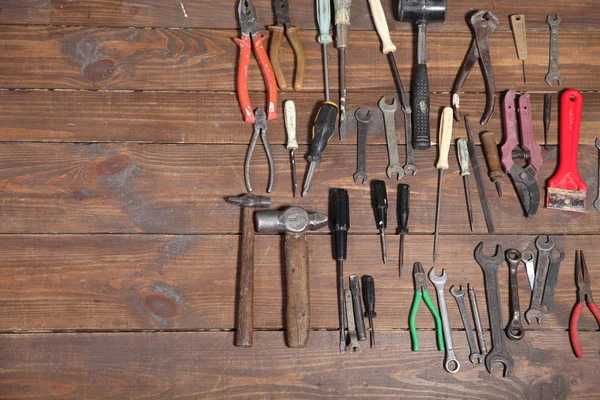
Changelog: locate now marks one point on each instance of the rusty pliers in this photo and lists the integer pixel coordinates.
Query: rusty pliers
(284, 25)
(260, 129)
(483, 24)
(251, 38)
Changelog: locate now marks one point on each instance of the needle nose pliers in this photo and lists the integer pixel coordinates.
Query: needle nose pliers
(251, 38)
(421, 292)
(284, 25)
(584, 295)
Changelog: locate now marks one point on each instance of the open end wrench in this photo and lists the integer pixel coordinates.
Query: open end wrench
(544, 244)
(597, 202)
(528, 258)
(363, 118)
(389, 119)
(490, 266)
(551, 279)
(477, 321)
(451, 363)
(459, 296)
(353, 345)
(514, 329)
(553, 71)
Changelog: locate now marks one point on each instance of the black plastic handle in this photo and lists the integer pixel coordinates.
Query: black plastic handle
(403, 208)
(420, 108)
(368, 286)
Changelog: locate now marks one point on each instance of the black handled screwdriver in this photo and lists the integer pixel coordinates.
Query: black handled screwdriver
(368, 289)
(402, 209)
(341, 223)
(323, 129)
(380, 206)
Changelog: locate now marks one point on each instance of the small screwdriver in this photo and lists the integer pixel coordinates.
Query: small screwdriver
(324, 21)
(341, 223)
(342, 24)
(322, 130)
(463, 161)
(380, 206)
(402, 209)
(445, 136)
(368, 289)
(289, 112)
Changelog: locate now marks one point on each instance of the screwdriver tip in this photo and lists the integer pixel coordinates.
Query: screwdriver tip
(499, 188)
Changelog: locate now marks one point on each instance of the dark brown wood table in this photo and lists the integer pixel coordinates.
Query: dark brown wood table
(120, 136)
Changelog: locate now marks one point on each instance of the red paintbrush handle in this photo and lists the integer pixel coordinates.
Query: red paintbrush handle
(567, 176)
(269, 76)
(242, 77)
(573, 334)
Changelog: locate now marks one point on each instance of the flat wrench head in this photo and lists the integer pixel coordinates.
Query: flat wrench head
(457, 293)
(505, 360)
(395, 169)
(553, 22)
(438, 281)
(384, 106)
(544, 243)
(363, 115)
(484, 261)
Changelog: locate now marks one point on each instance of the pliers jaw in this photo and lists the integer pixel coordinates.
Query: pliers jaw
(247, 16)
(419, 277)
(584, 291)
(260, 129)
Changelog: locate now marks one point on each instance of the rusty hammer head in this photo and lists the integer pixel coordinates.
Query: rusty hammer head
(422, 11)
(291, 219)
(250, 200)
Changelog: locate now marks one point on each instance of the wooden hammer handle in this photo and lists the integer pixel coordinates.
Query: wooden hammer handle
(298, 297)
(244, 323)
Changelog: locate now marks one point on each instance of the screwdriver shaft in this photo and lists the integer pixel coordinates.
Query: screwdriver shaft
(294, 177)
(341, 302)
(383, 245)
(401, 254)
(343, 122)
(468, 197)
(372, 332)
(325, 71)
(437, 213)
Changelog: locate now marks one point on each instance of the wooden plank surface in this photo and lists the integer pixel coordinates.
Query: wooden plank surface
(205, 365)
(166, 117)
(160, 188)
(201, 59)
(581, 15)
(133, 282)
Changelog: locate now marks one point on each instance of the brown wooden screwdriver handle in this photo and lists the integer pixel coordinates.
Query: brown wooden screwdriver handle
(298, 297)
(490, 149)
(245, 307)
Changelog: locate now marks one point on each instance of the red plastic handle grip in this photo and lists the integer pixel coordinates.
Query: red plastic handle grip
(242, 77)
(269, 76)
(567, 176)
(573, 334)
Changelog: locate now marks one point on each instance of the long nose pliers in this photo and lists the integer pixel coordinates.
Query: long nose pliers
(251, 38)
(421, 292)
(584, 296)
(284, 25)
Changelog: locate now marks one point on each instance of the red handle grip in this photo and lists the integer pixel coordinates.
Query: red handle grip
(242, 77)
(573, 334)
(527, 140)
(510, 130)
(269, 76)
(596, 311)
(567, 176)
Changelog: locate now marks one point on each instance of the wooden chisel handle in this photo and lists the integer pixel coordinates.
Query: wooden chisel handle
(245, 308)
(298, 297)
(490, 150)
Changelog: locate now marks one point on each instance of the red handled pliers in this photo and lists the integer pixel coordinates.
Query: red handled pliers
(584, 295)
(251, 38)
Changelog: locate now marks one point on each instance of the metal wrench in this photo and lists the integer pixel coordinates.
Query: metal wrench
(451, 363)
(514, 329)
(389, 118)
(544, 247)
(477, 321)
(553, 71)
(354, 345)
(528, 258)
(490, 265)
(459, 296)
(597, 202)
(362, 119)
(551, 279)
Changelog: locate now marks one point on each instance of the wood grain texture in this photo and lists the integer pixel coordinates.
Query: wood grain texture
(133, 282)
(581, 15)
(159, 188)
(205, 365)
(214, 118)
(200, 59)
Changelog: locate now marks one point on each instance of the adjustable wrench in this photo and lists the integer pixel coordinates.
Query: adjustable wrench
(553, 72)
(490, 265)
(597, 202)
(362, 119)
(514, 329)
(477, 321)
(389, 118)
(451, 363)
(544, 244)
(459, 296)
(354, 345)
(548, 299)
(528, 258)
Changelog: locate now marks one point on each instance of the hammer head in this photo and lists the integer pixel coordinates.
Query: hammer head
(250, 200)
(291, 219)
(422, 11)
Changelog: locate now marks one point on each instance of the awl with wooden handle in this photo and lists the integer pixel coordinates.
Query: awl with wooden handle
(445, 137)
(289, 112)
(517, 23)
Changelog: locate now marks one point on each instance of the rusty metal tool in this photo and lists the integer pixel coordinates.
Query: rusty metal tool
(459, 296)
(523, 178)
(421, 13)
(445, 137)
(584, 296)
(514, 330)
(528, 256)
(566, 190)
(284, 26)
(490, 266)
(380, 207)
(553, 71)
(389, 118)
(244, 321)
(388, 48)
(544, 245)
(289, 112)
(402, 209)
(357, 306)
(251, 39)
(487, 213)
(597, 202)
(368, 289)
(451, 363)
(463, 161)
(342, 24)
(483, 24)
(551, 279)
(340, 221)
(353, 344)
(260, 129)
(492, 158)
(517, 23)
(293, 222)
(477, 322)
(547, 116)
(363, 119)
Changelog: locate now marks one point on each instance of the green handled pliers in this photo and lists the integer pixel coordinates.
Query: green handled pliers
(421, 292)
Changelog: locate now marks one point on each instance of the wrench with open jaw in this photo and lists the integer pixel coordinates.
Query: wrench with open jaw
(363, 118)
(451, 363)
(551, 279)
(514, 329)
(553, 71)
(528, 258)
(459, 296)
(544, 244)
(490, 265)
(389, 119)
